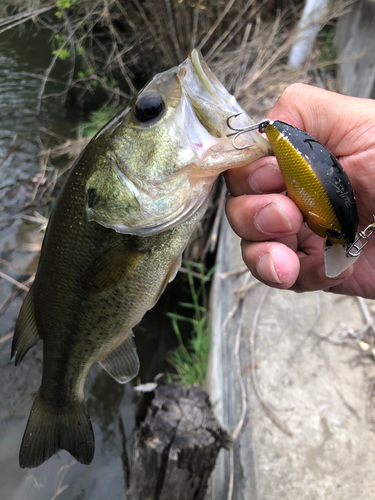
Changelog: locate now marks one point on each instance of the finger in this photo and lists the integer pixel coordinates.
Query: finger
(334, 120)
(262, 176)
(279, 266)
(263, 217)
(271, 262)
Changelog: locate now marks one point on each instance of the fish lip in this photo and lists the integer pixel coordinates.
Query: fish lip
(209, 81)
(160, 226)
(201, 85)
(104, 214)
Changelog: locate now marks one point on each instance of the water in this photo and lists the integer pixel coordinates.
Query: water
(22, 128)
(60, 477)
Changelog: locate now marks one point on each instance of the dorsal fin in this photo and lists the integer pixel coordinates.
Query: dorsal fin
(26, 333)
(123, 362)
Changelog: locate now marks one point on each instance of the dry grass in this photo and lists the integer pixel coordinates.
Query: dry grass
(256, 71)
(117, 46)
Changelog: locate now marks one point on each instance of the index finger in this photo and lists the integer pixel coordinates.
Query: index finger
(261, 176)
(337, 121)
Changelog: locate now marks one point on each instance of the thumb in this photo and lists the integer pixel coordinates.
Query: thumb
(337, 121)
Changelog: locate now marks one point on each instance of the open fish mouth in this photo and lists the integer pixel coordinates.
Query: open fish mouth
(214, 87)
(212, 102)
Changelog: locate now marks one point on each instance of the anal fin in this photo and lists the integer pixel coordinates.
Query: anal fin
(123, 362)
(26, 333)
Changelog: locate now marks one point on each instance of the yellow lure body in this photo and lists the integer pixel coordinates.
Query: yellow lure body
(316, 182)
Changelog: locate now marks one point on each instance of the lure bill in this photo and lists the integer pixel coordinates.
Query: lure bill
(319, 186)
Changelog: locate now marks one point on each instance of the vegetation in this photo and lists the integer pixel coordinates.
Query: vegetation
(97, 119)
(190, 361)
(111, 48)
(327, 49)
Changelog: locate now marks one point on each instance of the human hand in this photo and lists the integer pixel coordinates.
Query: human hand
(277, 247)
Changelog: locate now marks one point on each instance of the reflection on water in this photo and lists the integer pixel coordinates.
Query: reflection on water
(107, 400)
(22, 132)
(29, 53)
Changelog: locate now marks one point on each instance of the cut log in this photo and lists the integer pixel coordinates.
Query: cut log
(175, 445)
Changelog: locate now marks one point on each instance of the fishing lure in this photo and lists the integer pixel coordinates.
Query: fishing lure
(318, 185)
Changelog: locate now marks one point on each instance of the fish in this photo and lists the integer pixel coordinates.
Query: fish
(114, 241)
(317, 183)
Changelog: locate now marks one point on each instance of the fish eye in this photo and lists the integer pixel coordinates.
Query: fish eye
(335, 234)
(149, 107)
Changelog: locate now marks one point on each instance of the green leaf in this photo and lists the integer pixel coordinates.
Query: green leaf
(97, 118)
(63, 54)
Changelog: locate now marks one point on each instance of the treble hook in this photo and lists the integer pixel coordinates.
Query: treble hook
(261, 126)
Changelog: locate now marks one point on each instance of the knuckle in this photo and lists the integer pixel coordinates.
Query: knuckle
(294, 92)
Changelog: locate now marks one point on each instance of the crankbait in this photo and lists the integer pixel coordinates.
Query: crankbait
(318, 185)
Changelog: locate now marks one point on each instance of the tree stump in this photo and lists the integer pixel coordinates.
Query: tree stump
(175, 445)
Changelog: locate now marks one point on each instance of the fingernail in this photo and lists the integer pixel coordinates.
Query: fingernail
(266, 269)
(273, 219)
(267, 178)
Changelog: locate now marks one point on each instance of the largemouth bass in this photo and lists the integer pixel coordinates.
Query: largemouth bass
(114, 241)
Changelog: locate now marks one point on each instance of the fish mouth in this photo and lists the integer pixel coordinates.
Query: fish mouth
(212, 84)
(213, 104)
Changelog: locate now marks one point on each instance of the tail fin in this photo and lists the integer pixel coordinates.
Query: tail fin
(50, 429)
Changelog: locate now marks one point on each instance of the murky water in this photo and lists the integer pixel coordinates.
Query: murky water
(110, 404)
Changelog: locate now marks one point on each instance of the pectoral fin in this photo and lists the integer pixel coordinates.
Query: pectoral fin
(123, 362)
(170, 276)
(335, 259)
(173, 270)
(112, 267)
(26, 333)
